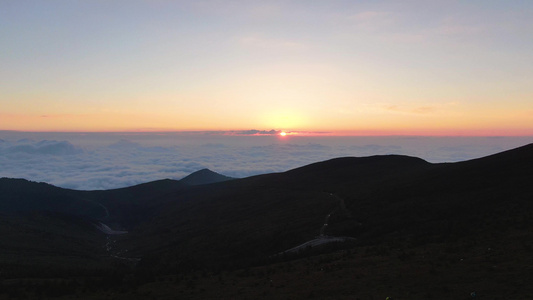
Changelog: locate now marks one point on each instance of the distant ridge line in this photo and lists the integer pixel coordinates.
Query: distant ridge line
(204, 176)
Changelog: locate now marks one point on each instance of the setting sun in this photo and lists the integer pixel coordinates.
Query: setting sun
(283, 133)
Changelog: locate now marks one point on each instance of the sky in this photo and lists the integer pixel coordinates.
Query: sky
(362, 68)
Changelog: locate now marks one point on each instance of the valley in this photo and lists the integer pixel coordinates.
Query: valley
(346, 228)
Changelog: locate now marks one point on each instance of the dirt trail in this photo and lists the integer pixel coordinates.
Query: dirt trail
(322, 238)
(111, 240)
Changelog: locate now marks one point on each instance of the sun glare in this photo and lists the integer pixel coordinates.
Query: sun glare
(283, 133)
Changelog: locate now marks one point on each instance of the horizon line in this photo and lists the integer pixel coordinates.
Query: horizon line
(295, 133)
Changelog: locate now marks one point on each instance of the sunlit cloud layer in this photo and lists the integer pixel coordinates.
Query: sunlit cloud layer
(104, 161)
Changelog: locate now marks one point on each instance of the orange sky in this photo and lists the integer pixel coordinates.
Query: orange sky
(362, 68)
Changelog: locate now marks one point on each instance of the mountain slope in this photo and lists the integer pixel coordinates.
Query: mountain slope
(124, 206)
(422, 230)
(371, 199)
(204, 176)
(50, 245)
(19, 195)
(127, 207)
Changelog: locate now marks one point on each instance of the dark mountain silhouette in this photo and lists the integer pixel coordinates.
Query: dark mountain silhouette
(417, 229)
(204, 176)
(127, 207)
(43, 244)
(20, 195)
(123, 207)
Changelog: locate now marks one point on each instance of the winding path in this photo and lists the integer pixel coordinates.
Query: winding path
(110, 243)
(323, 238)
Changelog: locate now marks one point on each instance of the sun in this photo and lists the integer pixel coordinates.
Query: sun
(283, 133)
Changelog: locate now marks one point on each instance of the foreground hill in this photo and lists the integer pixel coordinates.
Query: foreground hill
(20, 195)
(235, 223)
(50, 244)
(417, 231)
(124, 207)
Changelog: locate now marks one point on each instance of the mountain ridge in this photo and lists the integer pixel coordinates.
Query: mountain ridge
(400, 214)
(204, 176)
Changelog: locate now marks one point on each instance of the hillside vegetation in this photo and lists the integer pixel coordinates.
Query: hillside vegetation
(414, 230)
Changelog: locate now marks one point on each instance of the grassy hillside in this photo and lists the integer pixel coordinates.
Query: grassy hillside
(19, 195)
(421, 231)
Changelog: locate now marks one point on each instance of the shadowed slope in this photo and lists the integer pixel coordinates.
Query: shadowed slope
(390, 204)
(385, 197)
(204, 176)
(20, 195)
(253, 218)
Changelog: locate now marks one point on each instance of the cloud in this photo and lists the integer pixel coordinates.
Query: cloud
(258, 132)
(247, 9)
(457, 30)
(372, 18)
(421, 110)
(44, 147)
(124, 144)
(261, 43)
(241, 132)
(104, 161)
(370, 21)
(372, 149)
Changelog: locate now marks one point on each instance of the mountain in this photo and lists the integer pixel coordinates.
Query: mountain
(50, 244)
(20, 195)
(414, 230)
(204, 176)
(123, 205)
(127, 207)
(117, 205)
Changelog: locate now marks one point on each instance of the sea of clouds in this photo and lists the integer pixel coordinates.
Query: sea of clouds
(91, 161)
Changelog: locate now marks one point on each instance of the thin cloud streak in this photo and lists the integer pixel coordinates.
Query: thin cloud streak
(261, 43)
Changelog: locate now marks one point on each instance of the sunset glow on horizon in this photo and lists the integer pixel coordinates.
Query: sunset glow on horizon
(327, 68)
